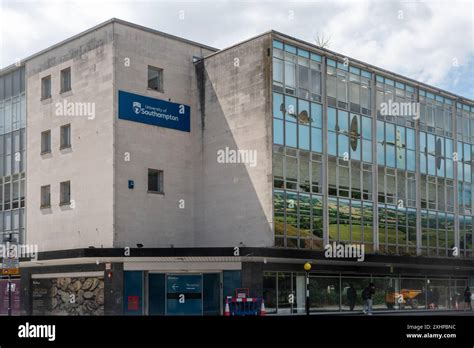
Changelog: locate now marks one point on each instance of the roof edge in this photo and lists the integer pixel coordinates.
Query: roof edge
(375, 68)
(10, 67)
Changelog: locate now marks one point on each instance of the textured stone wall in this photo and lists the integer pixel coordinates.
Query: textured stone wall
(68, 296)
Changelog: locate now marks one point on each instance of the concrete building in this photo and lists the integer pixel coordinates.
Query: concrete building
(163, 174)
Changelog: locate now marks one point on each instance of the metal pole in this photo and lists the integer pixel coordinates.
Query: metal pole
(307, 293)
(9, 295)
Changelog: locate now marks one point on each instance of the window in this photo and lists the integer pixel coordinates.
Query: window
(65, 80)
(155, 78)
(45, 196)
(65, 136)
(46, 142)
(155, 181)
(65, 193)
(46, 87)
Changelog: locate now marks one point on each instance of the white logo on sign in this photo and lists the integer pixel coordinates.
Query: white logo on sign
(137, 107)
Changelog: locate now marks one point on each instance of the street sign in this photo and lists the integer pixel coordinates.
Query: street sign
(11, 263)
(11, 266)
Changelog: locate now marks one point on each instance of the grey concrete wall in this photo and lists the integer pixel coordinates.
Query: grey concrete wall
(155, 220)
(88, 164)
(234, 202)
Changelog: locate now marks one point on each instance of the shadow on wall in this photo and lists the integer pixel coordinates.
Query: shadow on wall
(234, 204)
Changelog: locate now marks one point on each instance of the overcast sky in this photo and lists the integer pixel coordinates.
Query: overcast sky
(430, 41)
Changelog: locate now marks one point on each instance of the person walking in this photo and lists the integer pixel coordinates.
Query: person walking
(367, 294)
(467, 299)
(351, 296)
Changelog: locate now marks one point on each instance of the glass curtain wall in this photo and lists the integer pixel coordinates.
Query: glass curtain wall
(12, 156)
(442, 150)
(284, 292)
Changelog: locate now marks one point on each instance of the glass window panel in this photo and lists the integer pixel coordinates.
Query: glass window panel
(291, 108)
(467, 152)
(303, 76)
(277, 44)
(366, 128)
(316, 176)
(278, 70)
(365, 97)
(411, 140)
(380, 153)
(431, 143)
(316, 140)
(278, 106)
(431, 165)
(315, 82)
(291, 169)
(449, 169)
(343, 121)
(411, 160)
(380, 131)
(355, 148)
(390, 156)
(343, 145)
(303, 111)
(278, 132)
(303, 138)
(400, 157)
(332, 120)
(316, 115)
(342, 89)
(290, 48)
(367, 150)
(390, 133)
(290, 74)
(331, 86)
(332, 143)
(290, 134)
(449, 148)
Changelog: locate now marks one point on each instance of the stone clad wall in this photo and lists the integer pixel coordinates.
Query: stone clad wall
(68, 296)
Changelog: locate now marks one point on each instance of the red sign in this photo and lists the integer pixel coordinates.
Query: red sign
(133, 303)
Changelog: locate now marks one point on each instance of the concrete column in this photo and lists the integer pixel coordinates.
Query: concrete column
(252, 278)
(25, 292)
(113, 290)
(375, 177)
(325, 154)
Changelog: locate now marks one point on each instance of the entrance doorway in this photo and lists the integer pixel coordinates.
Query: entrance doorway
(184, 294)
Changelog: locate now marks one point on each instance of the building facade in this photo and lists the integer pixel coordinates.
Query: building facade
(164, 174)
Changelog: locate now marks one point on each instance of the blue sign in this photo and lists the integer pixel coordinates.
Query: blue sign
(161, 113)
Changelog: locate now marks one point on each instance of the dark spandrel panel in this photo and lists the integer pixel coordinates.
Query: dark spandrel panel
(16, 82)
(22, 79)
(2, 87)
(8, 85)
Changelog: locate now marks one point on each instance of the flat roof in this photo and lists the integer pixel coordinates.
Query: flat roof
(14, 66)
(325, 51)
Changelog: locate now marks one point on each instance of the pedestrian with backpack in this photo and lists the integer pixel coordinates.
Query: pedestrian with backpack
(367, 294)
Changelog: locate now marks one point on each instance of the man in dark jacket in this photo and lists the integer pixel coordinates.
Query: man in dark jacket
(467, 299)
(351, 296)
(367, 294)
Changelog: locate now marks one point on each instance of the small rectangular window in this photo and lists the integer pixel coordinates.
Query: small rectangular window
(65, 136)
(46, 142)
(155, 78)
(45, 196)
(65, 80)
(155, 181)
(46, 87)
(65, 193)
